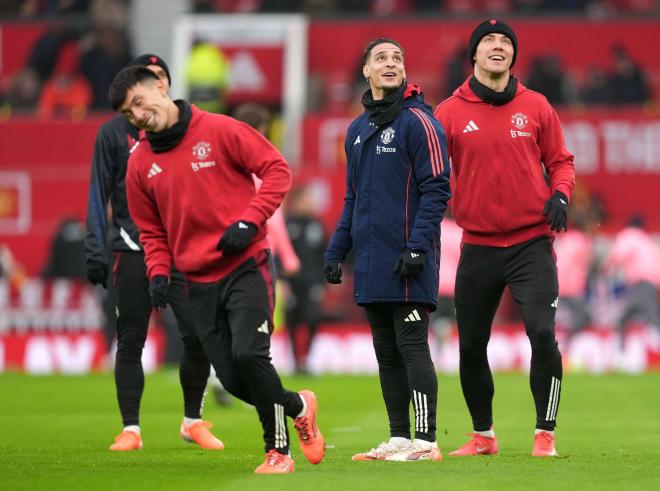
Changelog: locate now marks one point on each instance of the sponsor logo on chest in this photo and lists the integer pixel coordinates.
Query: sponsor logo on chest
(386, 137)
(519, 122)
(202, 151)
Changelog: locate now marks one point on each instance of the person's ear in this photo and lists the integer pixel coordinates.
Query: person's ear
(365, 72)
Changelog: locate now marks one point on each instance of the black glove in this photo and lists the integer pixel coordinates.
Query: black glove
(158, 289)
(237, 237)
(97, 273)
(332, 270)
(555, 210)
(410, 264)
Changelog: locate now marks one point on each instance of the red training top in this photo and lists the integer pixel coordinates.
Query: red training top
(497, 156)
(183, 200)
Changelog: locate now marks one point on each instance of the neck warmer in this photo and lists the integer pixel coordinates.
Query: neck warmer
(385, 110)
(488, 95)
(170, 137)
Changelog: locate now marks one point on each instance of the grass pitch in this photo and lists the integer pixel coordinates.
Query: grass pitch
(55, 433)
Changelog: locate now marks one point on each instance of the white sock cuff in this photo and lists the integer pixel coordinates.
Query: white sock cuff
(538, 430)
(189, 421)
(133, 428)
(489, 433)
(304, 408)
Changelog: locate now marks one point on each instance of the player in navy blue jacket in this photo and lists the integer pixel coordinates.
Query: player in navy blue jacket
(397, 188)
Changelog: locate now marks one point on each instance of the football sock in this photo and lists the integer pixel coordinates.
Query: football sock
(133, 428)
(489, 434)
(188, 421)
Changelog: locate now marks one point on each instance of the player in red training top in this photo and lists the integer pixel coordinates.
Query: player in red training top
(501, 138)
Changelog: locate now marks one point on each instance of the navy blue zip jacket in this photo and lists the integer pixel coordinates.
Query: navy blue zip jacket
(115, 141)
(397, 188)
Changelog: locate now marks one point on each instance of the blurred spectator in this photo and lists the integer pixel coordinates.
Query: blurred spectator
(19, 8)
(636, 256)
(109, 14)
(383, 8)
(9, 268)
(597, 88)
(24, 92)
(207, 74)
(586, 211)
(450, 252)
(627, 81)
(58, 7)
(303, 306)
(259, 117)
(66, 92)
(67, 251)
(548, 77)
(244, 6)
(45, 52)
(108, 53)
(573, 251)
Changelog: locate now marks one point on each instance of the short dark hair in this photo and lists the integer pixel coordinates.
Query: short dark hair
(125, 80)
(376, 42)
(253, 114)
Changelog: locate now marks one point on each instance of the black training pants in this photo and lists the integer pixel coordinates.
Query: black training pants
(234, 322)
(529, 270)
(401, 342)
(133, 312)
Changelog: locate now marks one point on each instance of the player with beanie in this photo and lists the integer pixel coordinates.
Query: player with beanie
(503, 139)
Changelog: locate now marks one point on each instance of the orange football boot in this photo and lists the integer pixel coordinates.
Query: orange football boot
(276, 463)
(199, 433)
(312, 443)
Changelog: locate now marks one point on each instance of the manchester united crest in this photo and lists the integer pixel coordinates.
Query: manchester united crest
(387, 135)
(519, 120)
(201, 150)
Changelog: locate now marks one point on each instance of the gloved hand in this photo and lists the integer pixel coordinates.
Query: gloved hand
(555, 210)
(97, 273)
(332, 270)
(237, 237)
(159, 286)
(410, 264)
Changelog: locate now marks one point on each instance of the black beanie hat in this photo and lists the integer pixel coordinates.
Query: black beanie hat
(489, 27)
(151, 59)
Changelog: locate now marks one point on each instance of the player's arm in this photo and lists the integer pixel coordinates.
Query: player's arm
(100, 186)
(341, 241)
(558, 161)
(258, 156)
(427, 149)
(144, 211)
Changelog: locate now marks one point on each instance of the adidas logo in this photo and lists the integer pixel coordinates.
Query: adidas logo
(555, 304)
(263, 327)
(357, 140)
(241, 225)
(413, 316)
(154, 170)
(471, 126)
(414, 255)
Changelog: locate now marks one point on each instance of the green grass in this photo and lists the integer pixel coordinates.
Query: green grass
(55, 432)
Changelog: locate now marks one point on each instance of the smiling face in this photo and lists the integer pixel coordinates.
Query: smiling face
(494, 55)
(147, 106)
(384, 69)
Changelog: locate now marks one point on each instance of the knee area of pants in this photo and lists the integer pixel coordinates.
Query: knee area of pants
(544, 341)
(473, 350)
(244, 359)
(130, 344)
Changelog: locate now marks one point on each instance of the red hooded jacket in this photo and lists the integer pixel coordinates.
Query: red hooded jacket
(183, 200)
(498, 154)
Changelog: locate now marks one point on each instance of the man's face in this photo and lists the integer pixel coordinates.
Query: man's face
(384, 69)
(494, 53)
(161, 74)
(146, 105)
